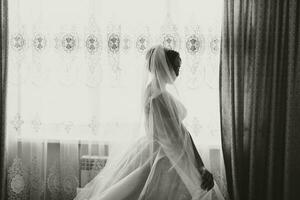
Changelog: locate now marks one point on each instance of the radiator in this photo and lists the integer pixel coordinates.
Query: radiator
(90, 166)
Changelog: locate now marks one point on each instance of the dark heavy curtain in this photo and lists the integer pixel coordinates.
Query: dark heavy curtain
(260, 98)
(3, 70)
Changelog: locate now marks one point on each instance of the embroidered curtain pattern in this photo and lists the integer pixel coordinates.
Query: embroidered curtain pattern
(74, 83)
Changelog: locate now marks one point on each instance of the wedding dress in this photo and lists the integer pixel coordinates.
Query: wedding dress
(161, 164)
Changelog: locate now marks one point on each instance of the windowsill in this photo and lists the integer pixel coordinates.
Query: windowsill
(57, 139)
(96, 140)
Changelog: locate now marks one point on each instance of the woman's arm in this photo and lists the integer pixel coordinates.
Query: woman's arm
(166, 128)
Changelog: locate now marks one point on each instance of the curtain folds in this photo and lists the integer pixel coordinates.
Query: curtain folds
(260, 98)
(3, 69)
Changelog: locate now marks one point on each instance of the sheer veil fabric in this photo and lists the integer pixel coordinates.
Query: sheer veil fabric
(160, 163)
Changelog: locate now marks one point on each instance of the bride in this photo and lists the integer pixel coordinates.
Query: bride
(164, 164)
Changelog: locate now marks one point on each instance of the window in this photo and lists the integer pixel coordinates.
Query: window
(74, 66)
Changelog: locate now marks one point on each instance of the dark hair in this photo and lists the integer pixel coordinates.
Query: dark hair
(148, 56)
(171, 57)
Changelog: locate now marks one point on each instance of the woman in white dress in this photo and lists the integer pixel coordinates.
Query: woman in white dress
(164, 163)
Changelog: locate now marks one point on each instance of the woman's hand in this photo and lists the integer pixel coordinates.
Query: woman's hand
(207, 179)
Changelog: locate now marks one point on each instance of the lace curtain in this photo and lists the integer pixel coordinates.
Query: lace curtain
(74, 85)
